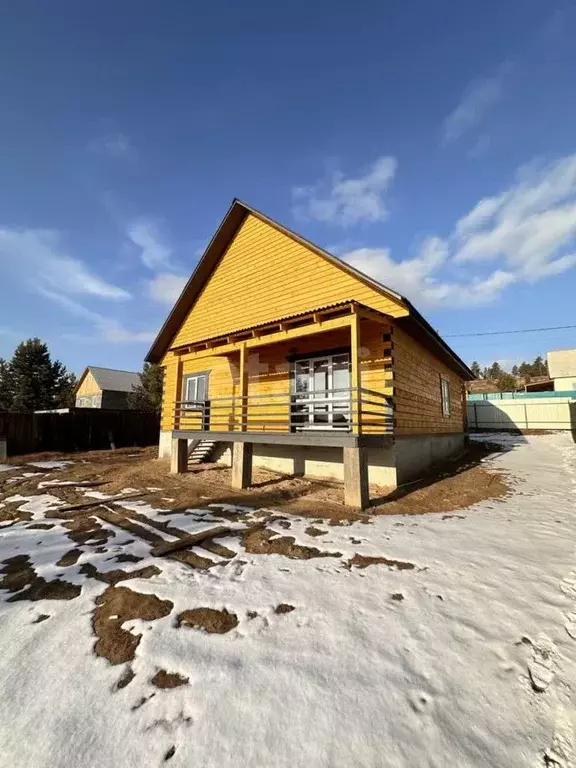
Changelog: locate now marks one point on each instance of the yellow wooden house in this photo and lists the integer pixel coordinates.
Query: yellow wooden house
(279, 354)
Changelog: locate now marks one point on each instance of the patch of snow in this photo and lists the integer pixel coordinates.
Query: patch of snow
(98, 495)
(7, 467)
(50, 464)
(37, 505)
(374, 667)
(57, 483)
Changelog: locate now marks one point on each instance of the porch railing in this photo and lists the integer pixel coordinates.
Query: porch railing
(358, 410)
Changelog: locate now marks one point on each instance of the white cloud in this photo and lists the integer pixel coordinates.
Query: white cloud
(479, 97)
(107, 328)
(116, 145)
(418, 280)
(531, 226)
(37, 258)
(155, 254)
(166, 287)
(347, 201)
(524, 234)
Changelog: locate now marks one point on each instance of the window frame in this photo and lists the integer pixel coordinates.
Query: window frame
(186, 378)
(445, 397)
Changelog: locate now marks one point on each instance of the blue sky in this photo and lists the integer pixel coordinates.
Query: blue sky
(430, 144)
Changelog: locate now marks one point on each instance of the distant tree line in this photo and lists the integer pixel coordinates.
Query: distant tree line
(516, 376)
(32, 381)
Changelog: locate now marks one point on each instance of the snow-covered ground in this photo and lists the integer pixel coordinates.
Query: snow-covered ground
(468, 658)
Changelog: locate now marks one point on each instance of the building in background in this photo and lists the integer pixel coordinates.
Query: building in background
(562, 369)
(104, 388)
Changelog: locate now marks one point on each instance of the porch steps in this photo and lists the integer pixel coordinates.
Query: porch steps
(201, 451)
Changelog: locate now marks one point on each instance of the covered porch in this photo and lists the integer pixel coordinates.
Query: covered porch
(321, 378)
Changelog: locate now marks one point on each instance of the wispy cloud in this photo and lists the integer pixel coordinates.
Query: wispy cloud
(39, 259)
(116, 145)
(478, 98)
(531, 226)
(107, 329)
(154, 252)
(347, 201)
(524, 234)
(165, 288)
(418, 278)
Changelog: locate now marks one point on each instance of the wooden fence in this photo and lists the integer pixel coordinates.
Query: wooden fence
(79, 429)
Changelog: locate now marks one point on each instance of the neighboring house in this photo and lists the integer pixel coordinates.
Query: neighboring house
(284, 356)
(104, 388)
(562, 369)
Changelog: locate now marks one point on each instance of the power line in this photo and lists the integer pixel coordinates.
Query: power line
(502, 333)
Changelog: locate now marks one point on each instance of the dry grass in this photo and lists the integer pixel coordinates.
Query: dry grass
(115, 606)
(456, 485)
(208, 619)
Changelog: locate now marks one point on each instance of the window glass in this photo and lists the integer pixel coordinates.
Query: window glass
(445, 393)
(302, 371)
(195, 388)
(340, 372)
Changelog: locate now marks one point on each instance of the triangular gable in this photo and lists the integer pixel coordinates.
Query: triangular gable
(255, 271)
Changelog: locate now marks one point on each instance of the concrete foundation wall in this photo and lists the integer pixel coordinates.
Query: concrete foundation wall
(407, 459)
(165, 444)
(316, 462)
(415, 454)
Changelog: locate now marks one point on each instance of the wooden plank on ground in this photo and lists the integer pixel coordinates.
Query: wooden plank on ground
(65, 511)
(190, 540)
(120, 520)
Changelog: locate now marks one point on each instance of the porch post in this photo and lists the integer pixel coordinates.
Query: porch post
(241, 464)
(355, 381)
(179, 456)
(356, 492)
(243, 390)
(179, 394)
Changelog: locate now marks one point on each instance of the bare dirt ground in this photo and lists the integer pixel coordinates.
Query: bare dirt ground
(457, 485)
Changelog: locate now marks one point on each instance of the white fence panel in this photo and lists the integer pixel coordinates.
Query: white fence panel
(541, 413)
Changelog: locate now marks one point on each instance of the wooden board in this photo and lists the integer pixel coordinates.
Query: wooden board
(190, 540)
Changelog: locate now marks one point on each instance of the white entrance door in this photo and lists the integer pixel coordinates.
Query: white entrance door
(321, 398)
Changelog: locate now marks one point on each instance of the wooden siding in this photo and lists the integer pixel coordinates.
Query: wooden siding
(89, 386)
(265, 275)
(417, 394)
(269, 373)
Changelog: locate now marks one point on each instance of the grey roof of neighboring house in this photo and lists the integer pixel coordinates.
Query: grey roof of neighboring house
(110, 379)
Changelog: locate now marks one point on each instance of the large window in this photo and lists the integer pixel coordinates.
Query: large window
(445, 394)
(321, 393)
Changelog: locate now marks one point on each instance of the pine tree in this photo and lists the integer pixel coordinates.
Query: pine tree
(36, 381)
(506, 382)
(5, 386)
(147, 395)
(539, 367)
(495, 371)
(65, 397)
(475, 368)
(525, 370)
(515, 371)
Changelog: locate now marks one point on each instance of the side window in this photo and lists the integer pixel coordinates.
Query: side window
(194, 389)
(445, 395)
